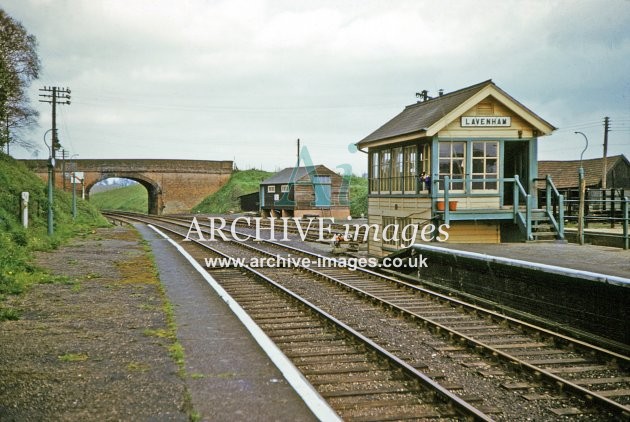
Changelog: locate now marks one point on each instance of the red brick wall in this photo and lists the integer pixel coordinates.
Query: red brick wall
(174, 186)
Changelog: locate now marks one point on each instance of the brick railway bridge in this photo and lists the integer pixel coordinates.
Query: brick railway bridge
(173, 186)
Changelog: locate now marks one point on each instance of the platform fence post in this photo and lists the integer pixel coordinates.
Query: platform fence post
(548, 193)
(528, 214)
(561, 216)
(624, 205)
(447, 181)
(516, 196)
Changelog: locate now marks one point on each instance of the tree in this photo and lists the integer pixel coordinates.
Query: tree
(19, 66)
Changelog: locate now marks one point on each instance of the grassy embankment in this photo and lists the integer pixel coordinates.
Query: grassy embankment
(243, 182)
(129, 198)
(17, 243)
(225, 200)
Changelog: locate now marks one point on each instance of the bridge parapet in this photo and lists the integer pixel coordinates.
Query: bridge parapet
(139, 165)
(173, 186)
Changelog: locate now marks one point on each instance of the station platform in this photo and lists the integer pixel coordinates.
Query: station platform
(598, 259)
(599, 236)
(582, 291)
(228, 375)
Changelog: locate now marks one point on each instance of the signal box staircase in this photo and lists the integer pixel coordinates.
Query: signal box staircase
(543, 229)
(540, 224)
(537, 224)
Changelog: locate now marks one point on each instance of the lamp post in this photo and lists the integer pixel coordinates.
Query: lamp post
(582, 191)
(74, 187)
(51, 170)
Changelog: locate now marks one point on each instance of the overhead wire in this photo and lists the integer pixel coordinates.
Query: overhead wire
(66, 129)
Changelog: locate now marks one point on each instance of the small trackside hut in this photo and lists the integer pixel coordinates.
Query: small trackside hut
(467, 159)
(249, 202)
(304, 191)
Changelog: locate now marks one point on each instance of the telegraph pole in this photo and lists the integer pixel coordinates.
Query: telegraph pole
(605, 167)
(55, 95)
(64, 155)
(53, 98)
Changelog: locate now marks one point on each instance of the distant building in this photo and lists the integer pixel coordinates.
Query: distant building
(565, 173)
(304, 191)
(467, 149)
(565, 177)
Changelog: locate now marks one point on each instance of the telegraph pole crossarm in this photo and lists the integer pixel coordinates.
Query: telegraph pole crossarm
(55, 95)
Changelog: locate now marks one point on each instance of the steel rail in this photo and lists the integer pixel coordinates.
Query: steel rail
(460, 405)
(334, 227)
(539, 372)
(613, 356)
(471, 342)
(557, 337)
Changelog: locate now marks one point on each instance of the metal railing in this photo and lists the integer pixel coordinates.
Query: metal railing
(524, 222)
(522, 218)
(554, 205)
(600, 205)
(522, 202)
(609, 206)
(623, 218)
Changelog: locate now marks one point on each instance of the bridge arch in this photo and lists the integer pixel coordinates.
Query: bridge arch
(153, 188)
(173, 186)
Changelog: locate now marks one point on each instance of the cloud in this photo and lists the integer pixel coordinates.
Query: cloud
(245, 78)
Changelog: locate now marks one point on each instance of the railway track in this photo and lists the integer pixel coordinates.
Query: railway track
(598, 374)
(347, 229)
(358, 378)
(563, 365)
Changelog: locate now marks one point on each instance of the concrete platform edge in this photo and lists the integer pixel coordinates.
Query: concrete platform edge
(553, 269)
(314, 401)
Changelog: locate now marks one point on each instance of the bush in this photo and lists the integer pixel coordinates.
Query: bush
(18, 243)
(358, 196)
(19, 237)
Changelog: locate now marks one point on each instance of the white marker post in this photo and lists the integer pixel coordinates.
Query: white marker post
(24, 208)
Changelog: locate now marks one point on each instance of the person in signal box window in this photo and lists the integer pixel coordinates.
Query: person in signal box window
(425, 181)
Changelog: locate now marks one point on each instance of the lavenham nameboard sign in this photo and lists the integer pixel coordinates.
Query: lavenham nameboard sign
(486, 121)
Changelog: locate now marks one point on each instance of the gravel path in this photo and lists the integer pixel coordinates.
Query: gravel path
(96, 346)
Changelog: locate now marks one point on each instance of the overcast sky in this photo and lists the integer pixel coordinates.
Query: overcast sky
(243, 79)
